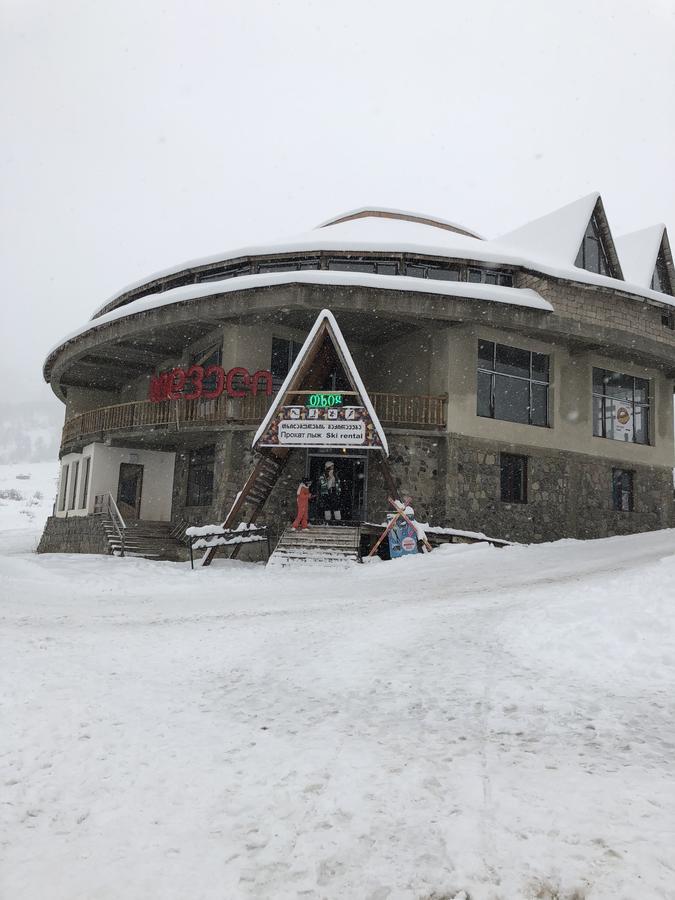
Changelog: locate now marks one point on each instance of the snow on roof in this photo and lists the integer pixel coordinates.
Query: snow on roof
(557, 235)
(325, 316)
(494, 293)
(638, 252)
(548, 245)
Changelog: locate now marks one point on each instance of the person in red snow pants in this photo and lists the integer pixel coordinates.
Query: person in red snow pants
(303, 496)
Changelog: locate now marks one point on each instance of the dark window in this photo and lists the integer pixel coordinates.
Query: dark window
(387, 268)
(660, 279)
(490, 276)
(668, 320)
(200, 477)
(593, 254)
(512, 384)
(283, 356)
(84, 493)
(513, 477)
(73, 484)
(212, 357)
(622, 490)
(620, 407)
(416, 271)
(62, 488)
(443, 274)
(351, 265)
(225, 272)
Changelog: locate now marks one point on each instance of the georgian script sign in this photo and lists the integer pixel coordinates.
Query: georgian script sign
(321, 426)
(208, 383)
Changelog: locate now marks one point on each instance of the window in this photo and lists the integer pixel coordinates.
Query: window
(439, 273)
(622, 490)
(283, 356)
(592, 254)
(490, 276)
(73, 484)
(513, 478)
(620, 407)
(512, 384)
(62, 488)
(84, 490)
(211, 357)
(200, 477)
(660, 279)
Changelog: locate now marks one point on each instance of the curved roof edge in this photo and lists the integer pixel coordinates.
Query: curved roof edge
(383, 212)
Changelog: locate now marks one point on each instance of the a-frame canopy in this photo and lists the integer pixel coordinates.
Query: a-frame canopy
(323, 401)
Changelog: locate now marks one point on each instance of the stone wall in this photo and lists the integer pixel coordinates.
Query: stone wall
(569, 494)
(76, 534)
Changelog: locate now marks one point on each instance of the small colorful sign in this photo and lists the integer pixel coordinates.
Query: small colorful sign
(402, 538)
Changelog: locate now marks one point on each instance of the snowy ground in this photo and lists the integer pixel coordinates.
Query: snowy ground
(499, 722)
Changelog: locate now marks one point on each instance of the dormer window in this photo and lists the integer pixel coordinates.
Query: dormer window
(660, 279)
(592, 254)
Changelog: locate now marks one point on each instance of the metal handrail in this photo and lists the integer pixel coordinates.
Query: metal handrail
(113, 513)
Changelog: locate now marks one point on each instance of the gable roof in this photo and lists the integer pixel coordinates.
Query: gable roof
(639, 251)
(325, 324)
(558, 235)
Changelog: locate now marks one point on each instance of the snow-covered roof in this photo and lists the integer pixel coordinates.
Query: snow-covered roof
(639, 251)
(548, 245)
(494, 293)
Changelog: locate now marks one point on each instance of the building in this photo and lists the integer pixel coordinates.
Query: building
(525, 384)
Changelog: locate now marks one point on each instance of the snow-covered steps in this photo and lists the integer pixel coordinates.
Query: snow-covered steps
(151, 540)
(318, 545)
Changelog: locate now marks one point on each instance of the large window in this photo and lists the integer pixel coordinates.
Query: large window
(283, 356)
(620, 407)
(622, 490)
(660, 279)
(592, 254)
(84, 491)
(513, 478)
(73, 484)
(490, 276)
(62, 488)
(200, 477)
(512, 384)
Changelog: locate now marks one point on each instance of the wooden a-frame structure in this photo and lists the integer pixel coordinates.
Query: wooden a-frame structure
(324, 346)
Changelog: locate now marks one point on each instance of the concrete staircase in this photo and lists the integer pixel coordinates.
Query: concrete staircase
(319, 545)
(147, 539)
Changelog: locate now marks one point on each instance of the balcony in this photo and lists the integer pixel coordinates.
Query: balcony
(174, 416)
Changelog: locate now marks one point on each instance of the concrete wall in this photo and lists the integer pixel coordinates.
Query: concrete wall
(570, 401)
(158, 468)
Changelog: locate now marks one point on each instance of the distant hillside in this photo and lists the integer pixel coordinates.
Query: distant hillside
(30, 431)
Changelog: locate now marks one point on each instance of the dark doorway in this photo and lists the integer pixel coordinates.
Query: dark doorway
(352, 472)
(129, 490)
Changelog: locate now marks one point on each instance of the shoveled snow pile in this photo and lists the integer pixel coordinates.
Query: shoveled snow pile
(477, 722)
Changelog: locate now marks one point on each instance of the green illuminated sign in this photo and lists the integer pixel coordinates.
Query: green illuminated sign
(324, 400)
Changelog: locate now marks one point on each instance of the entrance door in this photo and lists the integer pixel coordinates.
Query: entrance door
(352, 472)
(129, 490)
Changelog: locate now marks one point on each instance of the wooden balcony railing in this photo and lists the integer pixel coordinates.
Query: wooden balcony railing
(394, 410)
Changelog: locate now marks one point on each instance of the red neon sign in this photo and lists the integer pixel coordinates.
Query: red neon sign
(188, 384)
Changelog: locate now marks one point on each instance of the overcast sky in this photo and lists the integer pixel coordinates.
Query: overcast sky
(136, 135)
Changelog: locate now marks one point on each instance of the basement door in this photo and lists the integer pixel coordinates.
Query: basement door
(129, 490)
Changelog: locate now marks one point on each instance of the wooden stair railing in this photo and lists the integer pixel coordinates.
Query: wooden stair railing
(253, 496)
